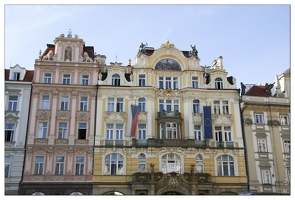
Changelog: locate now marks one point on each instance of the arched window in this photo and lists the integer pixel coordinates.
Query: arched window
(141, 104)
(141, 163)
(116, 80)
(196, 106)
(225, 165)
(171, 163)
(218, 83)
(114, 164)
(199, 164)
(38, 193)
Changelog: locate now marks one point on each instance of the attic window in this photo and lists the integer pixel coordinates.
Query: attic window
(16, 76)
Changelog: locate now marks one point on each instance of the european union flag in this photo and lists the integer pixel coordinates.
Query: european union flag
(207, 122)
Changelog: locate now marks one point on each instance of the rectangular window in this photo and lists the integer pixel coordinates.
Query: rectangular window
(175, 83)
(168, 105)
(59, 165)
(80, 165)
(85, 79)
(195, 82)
(284, 119)
(286, 146)
(168, 82)
(12, 103)
(9, 132)
(47, 78)
(66, 79)
(161, 82)
(7, 165)
(42, 130)
(196, 106)
(262, 145)
(141, 131)
(227, 134)
(110, 131)
(16, 76)
(161, 105)
(216, 107)
(119, 131)
(119, 105)
(218, 134)
(259, 118)
(62, 130)
(82, 131)
(83, 103)
(45, 102)
(197, 132)
(141, 80)
(111, 104)
(64, 103)
(225, 107)
(171, 130)
(265, 177)
(39, 164)
(176, 105)
(119, 102)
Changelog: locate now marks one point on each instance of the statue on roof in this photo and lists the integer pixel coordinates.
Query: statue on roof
(194, 52)
(268, 88)
(141, 49)
(167, 44)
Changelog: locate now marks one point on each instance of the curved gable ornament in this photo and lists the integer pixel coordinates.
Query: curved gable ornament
(168, 64)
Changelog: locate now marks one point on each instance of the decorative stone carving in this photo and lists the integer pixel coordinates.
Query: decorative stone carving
(58, 177)
(86, 57)
(63, 115)
(197, 118)
(77, 141)
(115, 117)
(83, 116)
(11, 118)
(61, 141)
(79, 178)
(142, 117)
(37, 177)
(248, 121)
(41, 141)
(48, 56)
(43, 115)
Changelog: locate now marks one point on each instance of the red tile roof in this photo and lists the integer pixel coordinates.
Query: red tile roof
(28, 76)
(257, 91)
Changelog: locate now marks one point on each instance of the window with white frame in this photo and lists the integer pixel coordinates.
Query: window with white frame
(195, 82)
(141, 80)
(141, 163)
(225, 165)
(39, 165)
(66, 79)
(115, 101)
(116, 80)
(141, 104)
(196, 106)
(62, 130)
(168, 82)
(168, 105)
(45, 102)
(114, 128)
(265, 175)
(42, 130)
(7, 165)
(216, 107)
(218, 134)
(223, 135)
(64, 104)
(9, 132)
(225, 107)
(82, 129)
(16, 76)
(109, 131)
(284, 119)
(199, 164)
(12, 103)
(227, 134)
(85, 79)
(259, 118)
(286, 146)
(47, 78)
(114, 164)
(59, 165)
(119, 131)
(218, 83)
(198, 132)
(80, 165)
(171, 130)
(83, 103)
(171, 163)
(262, 145)
(141, 131)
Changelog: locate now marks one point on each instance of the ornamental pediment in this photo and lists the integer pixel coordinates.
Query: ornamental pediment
(115, 117)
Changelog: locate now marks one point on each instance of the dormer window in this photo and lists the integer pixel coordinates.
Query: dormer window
(116, 80)
(218, 83)
(16, 76)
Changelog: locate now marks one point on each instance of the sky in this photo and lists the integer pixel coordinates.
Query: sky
(253, 39)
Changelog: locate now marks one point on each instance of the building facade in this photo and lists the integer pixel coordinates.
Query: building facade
(18, 82)
(167, 125)
(266, 119)
(60, 137)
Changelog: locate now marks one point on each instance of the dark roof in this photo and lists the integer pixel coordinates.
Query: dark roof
(257, 91)
(28, 76)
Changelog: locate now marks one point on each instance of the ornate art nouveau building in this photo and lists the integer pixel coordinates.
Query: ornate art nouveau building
(60, 137)
(18, 83)
(168, 126)
(266, 119)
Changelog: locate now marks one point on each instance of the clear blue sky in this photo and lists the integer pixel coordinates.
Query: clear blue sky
(254, 40)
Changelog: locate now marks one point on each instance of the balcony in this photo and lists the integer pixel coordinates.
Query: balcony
(223, 144)
(151, 142)
(119, 143)
(169, 114)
